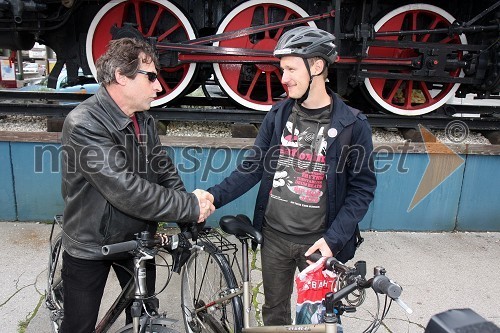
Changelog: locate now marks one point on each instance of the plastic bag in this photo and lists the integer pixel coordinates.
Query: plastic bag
(312, 285)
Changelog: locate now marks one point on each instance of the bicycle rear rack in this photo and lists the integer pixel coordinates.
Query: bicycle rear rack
(223, 246)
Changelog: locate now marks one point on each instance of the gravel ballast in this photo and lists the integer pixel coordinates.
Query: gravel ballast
(223, 129)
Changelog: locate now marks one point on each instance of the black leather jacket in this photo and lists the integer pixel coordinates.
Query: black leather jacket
(113, 186)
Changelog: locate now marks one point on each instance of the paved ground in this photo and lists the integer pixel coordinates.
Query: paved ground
(438, 271)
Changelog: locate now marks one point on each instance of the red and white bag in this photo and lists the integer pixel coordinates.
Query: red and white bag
(312, 285)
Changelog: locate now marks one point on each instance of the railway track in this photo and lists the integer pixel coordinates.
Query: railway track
(220, 110)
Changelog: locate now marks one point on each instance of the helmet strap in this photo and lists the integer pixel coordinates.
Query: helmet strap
(311, 77)
(306, 94)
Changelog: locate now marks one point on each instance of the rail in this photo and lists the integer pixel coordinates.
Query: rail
(219, 110)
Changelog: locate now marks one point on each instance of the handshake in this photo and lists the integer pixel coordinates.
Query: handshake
(206, 203)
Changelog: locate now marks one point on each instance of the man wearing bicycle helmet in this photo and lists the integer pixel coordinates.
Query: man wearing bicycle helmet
(313, 159)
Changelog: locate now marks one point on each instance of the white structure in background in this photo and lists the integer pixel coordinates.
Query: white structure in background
(38, 52)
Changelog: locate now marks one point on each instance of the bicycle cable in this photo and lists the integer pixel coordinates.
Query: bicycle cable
(169, 275)
(375, 324)
(358, 296)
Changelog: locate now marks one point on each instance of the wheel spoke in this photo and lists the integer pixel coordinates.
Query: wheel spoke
(152, 28)
(164, 85)
(414, 25)
(426, 92)
(269, 91)
(408, 95)
(280, 30)
(266, 18)
(120, 13)
(169, 31)
(138, 18)
(433, 25)
(252, 84)
(394, 90)
(446, 40)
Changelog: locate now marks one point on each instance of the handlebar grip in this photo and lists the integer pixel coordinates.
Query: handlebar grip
(314, 256)
(331, 263)
(383, 285)
(119, 247)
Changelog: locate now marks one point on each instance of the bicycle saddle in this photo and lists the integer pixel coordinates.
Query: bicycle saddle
(241, 227)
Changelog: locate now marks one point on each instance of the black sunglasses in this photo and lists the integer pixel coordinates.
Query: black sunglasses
(152, 76)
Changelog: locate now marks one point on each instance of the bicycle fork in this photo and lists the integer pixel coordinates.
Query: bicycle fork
(141, 290)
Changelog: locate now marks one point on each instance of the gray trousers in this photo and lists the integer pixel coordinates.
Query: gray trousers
(280, 258)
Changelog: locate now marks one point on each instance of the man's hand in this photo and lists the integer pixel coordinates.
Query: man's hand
(205, 201)
(323, 248)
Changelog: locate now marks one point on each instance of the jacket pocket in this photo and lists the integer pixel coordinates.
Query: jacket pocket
(105, 223)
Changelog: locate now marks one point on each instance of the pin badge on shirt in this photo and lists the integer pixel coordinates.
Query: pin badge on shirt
(332, 132)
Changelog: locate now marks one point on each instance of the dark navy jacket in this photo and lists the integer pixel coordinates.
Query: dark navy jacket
(350, 177)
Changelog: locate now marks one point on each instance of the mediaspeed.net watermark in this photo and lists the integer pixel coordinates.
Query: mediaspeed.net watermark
(216, 161)
(205, 162)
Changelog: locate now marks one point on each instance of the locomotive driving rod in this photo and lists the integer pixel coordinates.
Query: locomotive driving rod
(191, 50)
(208, 53)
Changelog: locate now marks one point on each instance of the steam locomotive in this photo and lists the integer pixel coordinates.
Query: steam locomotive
(401, 57)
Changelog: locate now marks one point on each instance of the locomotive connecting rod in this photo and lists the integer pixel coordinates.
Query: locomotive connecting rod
(192, 51)
(258, 28)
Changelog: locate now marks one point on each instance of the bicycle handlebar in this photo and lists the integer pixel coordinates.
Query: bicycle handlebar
(380, 283)
(120, 247)
(145, 240)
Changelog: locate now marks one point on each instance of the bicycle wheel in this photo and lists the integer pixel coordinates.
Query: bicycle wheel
(54, 293)
(206, 277)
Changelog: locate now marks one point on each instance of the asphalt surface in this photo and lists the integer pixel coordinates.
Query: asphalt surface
(438, 272)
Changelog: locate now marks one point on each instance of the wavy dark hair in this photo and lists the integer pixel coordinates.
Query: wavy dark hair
(123, 54)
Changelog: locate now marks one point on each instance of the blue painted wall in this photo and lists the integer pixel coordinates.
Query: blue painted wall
(37, 179)
(479, 208)
(396, 188)
(7, 197)
(466, 200)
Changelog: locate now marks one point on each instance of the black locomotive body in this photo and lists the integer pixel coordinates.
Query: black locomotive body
(404, 57)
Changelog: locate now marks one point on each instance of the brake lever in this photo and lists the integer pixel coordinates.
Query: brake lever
(195, 230)
(403, 305)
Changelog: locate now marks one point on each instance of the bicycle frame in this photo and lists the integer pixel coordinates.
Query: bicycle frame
(132, 292)
(353, 278)
(125, 297)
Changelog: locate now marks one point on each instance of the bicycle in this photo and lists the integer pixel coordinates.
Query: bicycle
(221, 305)
(145, 315)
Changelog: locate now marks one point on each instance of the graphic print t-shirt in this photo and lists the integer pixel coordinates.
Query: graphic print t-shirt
(297, 202)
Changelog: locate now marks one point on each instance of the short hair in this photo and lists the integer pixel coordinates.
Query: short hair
(123, 54)
(312, 60)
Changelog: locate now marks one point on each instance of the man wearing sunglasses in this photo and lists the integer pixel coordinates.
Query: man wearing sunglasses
(116, 180)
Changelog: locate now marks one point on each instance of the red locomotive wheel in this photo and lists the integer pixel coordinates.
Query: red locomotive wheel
(158, 18)
(411, 97)
(255, 86)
